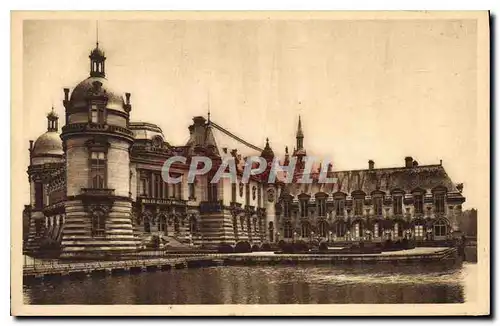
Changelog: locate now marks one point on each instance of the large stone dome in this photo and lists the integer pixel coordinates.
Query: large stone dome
(48, 143)
(96, 85)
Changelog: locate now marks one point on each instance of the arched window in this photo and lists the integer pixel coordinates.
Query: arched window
(305, 230)
(288, 230)
(440, 228)
(323, 229)
(98, 223)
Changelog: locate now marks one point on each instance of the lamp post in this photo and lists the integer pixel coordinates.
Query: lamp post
(312, 237)
(294, 236)
(329, 236)
(277, 236)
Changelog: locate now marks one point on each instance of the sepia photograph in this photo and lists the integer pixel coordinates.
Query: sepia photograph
(250, 163)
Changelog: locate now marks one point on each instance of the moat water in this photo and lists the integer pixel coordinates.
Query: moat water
(266, 285)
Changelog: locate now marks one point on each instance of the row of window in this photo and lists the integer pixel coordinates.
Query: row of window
(155, 187)
(439, 228)
(256, 193)
(339, 205)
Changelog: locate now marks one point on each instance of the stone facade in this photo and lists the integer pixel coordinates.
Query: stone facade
(97, 188)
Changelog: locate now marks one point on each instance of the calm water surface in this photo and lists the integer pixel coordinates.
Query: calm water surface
(266, 285)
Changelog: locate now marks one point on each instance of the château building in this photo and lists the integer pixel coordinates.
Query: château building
(96, 187)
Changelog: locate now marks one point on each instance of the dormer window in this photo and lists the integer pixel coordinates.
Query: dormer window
(321, 207)
(418, 202)
(97, 114)
(439, 202)
(358, 206)
(303, 207)
(397, 204)
(286, 208)
(377, 205)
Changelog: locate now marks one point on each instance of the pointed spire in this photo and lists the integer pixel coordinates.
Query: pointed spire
(208, 107)
(97, 34)
(300, 135)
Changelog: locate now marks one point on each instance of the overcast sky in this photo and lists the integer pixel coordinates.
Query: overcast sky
(379, 90)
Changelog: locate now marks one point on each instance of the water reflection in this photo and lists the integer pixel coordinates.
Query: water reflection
(265, 285)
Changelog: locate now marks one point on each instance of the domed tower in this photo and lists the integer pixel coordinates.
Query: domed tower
(46, 156)
(96, 140)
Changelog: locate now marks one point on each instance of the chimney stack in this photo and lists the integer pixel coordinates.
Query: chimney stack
(31, 145)
(408, 161)
(66, 94)
(371, 164)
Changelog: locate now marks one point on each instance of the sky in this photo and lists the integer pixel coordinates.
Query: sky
(371, 89)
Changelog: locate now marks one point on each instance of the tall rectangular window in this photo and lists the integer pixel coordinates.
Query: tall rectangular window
(39, 195)
(286, 208)
(247, 194)
(377, 205)
(439, 202)
(98, 224)
(303, 208)
(97, 114)
(358, 206)
(397, 204)
(144, 187)
(339, 207)
(259, 195)
(321, 207)
(233, 192)
(98, 170)
(212, 191)
(191, 190)
(418, 202)
(158, 188)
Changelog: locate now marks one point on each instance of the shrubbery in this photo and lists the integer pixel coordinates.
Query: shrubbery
(266, 247)
(243, 246)
(323, 246)
(255, 247)
(225, 248)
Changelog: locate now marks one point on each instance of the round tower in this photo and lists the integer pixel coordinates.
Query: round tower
(96, 140)
(46, 156)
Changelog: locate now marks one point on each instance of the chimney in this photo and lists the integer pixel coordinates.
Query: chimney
(31, 145)
(371, 164)
(408, 161)
(415, 163)
(127, 97)
(66, 94)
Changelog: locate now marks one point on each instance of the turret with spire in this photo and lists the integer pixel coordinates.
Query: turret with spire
(300, 136)
(97, 59)
(299, 151)
(52, 121)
